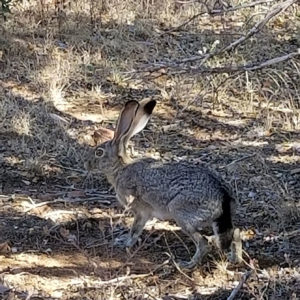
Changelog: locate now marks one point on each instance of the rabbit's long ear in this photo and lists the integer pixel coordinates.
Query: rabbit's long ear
(141, 119)
(125, 120)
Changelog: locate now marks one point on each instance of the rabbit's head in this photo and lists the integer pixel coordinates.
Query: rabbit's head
(107, 156)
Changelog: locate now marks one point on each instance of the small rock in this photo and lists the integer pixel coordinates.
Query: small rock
(251, 194)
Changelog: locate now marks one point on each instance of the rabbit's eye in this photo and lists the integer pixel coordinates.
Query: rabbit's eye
(99, 152)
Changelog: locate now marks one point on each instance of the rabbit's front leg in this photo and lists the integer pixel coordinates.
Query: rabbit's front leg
(140, 220)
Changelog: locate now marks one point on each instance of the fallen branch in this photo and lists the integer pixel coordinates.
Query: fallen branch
(240, 285)
(85, 281)
(101, 199)
(233, 69)
(214, 12)
(275, 10)
(238, 160)
(258, 26)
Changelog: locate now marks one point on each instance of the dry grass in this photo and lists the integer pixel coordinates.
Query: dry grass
(64, 73)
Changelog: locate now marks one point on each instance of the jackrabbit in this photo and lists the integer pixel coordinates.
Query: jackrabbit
(190, 195)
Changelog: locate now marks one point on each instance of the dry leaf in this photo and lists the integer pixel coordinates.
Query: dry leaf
(248, 234)
(64, 232)
(41, 211)
(5, 248)
(46, 230)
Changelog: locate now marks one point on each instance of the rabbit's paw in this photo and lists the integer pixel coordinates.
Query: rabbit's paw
(130, 242)
(122, 241)
(125, 241)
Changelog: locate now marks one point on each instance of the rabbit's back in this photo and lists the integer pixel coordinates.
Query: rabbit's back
(166, 186)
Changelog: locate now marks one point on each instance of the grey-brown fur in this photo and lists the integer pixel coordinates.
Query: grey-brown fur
(190, 195)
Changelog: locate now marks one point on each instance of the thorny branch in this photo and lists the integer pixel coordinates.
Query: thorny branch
(179, 69)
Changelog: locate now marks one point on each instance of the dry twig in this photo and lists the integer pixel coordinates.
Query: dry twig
(240, 285)
(218, 12)
(275, 10)
(99, 199)
(233, 69)
(238, 160)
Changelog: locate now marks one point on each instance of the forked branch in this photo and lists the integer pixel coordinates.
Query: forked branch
(258, 26)
(213, 12)
(240, 285)
(178, 68)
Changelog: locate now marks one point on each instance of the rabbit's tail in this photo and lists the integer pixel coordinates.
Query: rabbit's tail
(223, 225)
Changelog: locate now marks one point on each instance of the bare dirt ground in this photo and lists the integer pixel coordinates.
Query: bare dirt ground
(65, 73)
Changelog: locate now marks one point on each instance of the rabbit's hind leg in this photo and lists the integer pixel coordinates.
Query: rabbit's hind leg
(236, 247)
(191, 219)
(201, 251)
(201, 243)
(231, 238)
